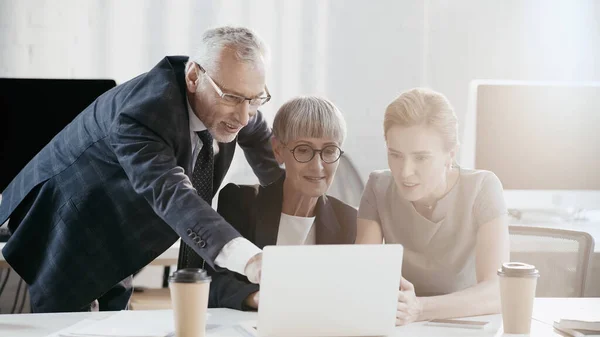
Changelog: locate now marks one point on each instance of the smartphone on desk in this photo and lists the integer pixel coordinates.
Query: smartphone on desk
(457, 323)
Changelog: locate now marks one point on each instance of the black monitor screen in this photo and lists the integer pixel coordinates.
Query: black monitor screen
(32, 111)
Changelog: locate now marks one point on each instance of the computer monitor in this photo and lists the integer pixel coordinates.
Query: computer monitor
(33, 111)
(541, 139)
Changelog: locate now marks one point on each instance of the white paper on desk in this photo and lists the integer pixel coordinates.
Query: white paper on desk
(75, 326)
(588, 311)
(238, 330)
(151, 323)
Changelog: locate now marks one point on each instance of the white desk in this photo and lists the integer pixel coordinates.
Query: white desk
(41, 325)
(546, 309)
(168, 258)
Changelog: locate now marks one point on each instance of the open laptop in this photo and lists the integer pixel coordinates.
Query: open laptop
(329, 290)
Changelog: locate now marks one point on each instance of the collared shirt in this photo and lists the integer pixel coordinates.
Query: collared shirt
(196, 125)
(237, 252)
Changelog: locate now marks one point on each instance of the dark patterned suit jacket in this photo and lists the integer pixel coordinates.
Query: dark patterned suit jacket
(111, 192)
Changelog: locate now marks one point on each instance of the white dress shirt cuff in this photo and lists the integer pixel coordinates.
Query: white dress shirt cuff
(236, 254)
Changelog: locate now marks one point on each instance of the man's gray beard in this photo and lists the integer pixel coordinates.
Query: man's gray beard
(220, 137)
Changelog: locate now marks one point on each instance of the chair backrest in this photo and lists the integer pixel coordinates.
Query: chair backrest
(14, 293)
(561, 256)
(348, 185)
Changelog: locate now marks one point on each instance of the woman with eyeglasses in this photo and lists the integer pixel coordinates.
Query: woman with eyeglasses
(451, 221)
(295, 210)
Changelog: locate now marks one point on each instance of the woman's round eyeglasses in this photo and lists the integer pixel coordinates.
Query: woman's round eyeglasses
(304, 153)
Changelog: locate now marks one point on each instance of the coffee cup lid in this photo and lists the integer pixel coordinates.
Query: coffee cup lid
(518, 269)
(190, 275)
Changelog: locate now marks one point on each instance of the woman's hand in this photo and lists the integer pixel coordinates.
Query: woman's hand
(410, 307)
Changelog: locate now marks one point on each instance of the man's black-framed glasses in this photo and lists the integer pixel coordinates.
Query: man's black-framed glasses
(232, 99)
(304, 153)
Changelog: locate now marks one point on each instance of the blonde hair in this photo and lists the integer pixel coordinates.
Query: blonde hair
(311, 117)
(425, 107)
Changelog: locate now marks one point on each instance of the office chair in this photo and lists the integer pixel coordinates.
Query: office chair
(561, 256)
(347, 185)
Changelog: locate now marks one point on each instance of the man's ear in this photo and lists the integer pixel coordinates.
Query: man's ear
(277, 149)
(191, 77)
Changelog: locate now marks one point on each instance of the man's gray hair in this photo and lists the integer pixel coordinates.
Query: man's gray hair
(246, 44)
(309, 117)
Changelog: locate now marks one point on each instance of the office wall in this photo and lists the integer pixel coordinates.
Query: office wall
(533, 40)
(361, 54)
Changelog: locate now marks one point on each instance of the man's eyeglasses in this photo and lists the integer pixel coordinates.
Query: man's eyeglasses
(232, 99)
(304, 153)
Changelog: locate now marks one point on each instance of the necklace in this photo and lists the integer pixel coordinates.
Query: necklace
(429, 207)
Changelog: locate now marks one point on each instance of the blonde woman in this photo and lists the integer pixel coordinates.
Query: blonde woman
(451, 221)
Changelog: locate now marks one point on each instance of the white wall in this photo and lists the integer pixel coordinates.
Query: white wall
(534, 40)
(361, 54)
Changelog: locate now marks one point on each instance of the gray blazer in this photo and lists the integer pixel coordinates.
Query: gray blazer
(111, 192)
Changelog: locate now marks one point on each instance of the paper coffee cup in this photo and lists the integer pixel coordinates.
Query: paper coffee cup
(517, 291)
(189, 295)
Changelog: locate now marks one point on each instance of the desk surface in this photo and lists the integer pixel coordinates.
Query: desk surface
(545, 310)
(168, 258)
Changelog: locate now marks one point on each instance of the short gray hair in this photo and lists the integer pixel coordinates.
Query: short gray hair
(310, 117)
(248, 46)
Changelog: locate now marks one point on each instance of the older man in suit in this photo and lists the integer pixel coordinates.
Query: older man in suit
(136, 170)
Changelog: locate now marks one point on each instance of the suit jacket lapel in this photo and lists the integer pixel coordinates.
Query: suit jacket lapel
(185, 154)
(226, 150)
(269, 203)
(326, 221)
